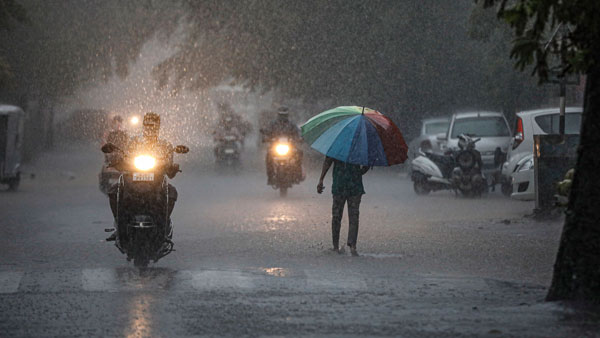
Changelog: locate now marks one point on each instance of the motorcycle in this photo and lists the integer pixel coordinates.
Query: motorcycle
(287, 169)
(227, 150)
(143, 226)
(459, 171)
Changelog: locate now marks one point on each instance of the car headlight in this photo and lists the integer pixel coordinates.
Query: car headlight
(144, 162)
(282, 149)
(527, 165)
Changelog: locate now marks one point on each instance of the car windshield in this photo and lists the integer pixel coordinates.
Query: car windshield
(480, 127)
(550, 123)
(433, 128)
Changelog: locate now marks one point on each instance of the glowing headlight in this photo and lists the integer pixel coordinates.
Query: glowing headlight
(282, 149)
(144, 162)
(134, 120)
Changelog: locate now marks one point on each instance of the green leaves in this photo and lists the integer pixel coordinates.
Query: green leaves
(552, 33)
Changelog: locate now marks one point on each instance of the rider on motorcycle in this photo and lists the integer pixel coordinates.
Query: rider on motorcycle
(226, 127)
(148, 141)
(282, 126)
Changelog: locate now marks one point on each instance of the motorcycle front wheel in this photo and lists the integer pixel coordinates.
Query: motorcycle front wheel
(141, 262)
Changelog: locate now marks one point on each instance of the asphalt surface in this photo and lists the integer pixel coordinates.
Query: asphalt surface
(251, 263)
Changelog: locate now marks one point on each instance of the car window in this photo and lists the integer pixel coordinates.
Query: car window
(434, 128)
(480, 127)
(550, 123)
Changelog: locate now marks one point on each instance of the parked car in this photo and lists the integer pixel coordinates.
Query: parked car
(427, 139)
(529, 123)
(11, 141)
(522, 183)
(494, 132)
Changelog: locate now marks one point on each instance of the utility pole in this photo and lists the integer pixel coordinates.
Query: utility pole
(563, 94)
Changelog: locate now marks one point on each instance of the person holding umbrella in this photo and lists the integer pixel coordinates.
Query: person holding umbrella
(347, 188)
(353, 139)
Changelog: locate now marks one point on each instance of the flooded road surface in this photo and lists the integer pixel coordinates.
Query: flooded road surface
(251, 263)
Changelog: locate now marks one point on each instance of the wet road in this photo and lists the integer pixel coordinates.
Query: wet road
(251, 263)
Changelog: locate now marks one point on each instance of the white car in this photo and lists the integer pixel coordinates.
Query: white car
(518, 168)
(523, 185)
(491, 127)
(427, 139)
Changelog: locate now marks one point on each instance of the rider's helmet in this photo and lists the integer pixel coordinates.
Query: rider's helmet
(151, 125)
(283, 113)
(117, 120)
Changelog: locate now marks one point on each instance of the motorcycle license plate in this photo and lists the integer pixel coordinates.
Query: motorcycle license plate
(229, 151)
(143, 177)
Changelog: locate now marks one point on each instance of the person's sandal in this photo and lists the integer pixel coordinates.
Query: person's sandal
(353, 251)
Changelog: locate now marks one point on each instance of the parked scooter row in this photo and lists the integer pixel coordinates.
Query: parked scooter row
(458, 170)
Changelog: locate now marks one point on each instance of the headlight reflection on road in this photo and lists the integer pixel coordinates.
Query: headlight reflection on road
(140, 317)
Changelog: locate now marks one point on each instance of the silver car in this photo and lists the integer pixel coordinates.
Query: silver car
(428, 137)
(493, 130)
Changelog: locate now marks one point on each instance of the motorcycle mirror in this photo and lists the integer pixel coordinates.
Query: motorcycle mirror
(441, 137)
(109, 148)
(181, 149)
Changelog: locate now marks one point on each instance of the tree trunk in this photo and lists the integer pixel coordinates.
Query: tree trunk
(577, 267)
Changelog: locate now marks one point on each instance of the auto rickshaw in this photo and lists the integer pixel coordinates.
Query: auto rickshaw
(11, 142)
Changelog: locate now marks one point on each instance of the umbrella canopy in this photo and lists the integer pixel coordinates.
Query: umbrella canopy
(356, 135)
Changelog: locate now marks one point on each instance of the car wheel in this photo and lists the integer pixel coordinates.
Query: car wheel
(507, 189)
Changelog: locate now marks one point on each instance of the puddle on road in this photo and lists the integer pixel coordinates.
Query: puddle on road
(276, 272)
(280, 219)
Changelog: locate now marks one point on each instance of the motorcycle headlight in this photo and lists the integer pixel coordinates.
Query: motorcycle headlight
(144, 162)
(282, 149)
(527, 165)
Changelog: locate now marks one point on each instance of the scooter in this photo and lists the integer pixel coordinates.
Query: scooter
(287, 166)
(459, 171)
(227, 151)
(143, 225)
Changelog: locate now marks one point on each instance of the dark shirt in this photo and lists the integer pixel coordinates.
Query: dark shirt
(347, 179)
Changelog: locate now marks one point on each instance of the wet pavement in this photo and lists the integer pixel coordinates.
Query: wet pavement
(251, 263)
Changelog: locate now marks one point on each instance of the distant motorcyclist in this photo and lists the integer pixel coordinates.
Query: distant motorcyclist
(118, 136)
(230, 122)
(148, 142)
(281, 127)
(116, 126)
(225, 128)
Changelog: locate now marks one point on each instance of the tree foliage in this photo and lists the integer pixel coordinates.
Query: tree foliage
(70, 43)
(534, 23)
(405, 57)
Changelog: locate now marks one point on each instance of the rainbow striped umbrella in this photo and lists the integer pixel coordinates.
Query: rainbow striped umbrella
(356, 135)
